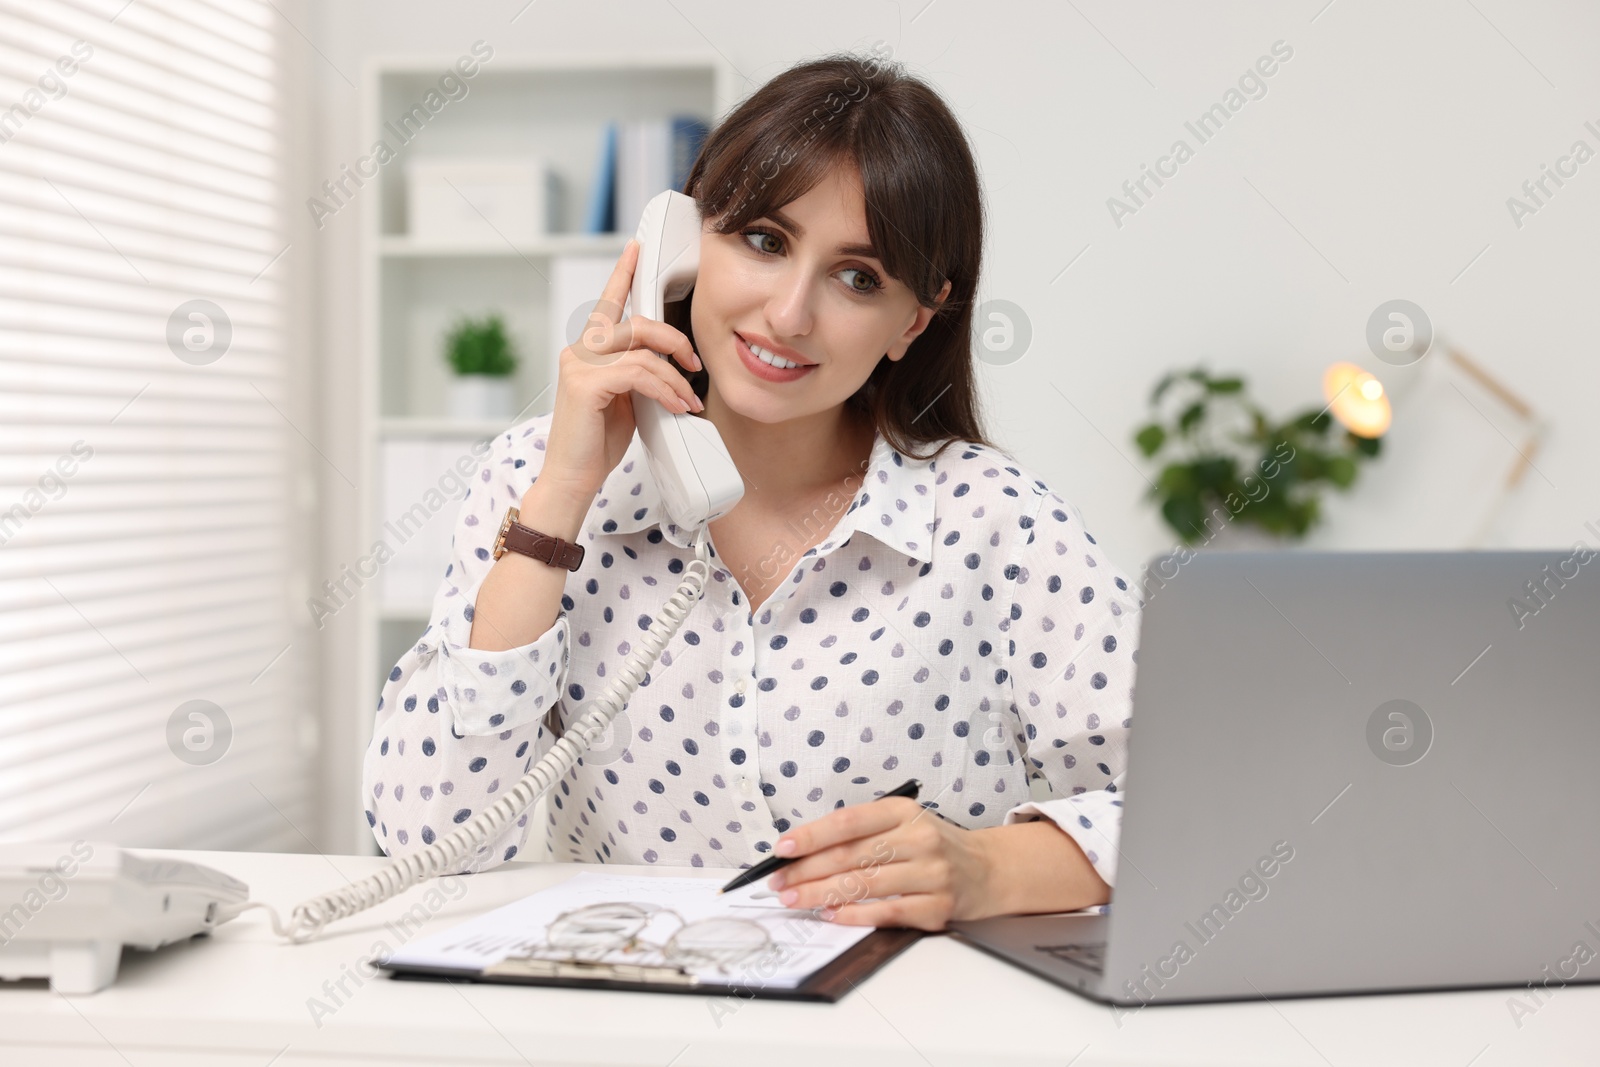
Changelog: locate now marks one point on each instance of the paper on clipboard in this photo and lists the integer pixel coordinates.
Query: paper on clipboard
(662, 925)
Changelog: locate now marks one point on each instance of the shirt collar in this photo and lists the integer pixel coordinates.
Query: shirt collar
(893, 503)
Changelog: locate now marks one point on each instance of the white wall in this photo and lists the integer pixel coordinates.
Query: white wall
(1376, 166)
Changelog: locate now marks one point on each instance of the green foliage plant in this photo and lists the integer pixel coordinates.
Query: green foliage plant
(481, 346)
(1222, 459)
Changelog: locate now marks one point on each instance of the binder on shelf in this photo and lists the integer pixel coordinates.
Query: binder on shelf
(600, 217)
(688, 134)
(644, 167)
(651, 157)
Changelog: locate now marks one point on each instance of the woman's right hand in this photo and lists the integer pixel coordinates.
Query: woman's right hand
(593, 421)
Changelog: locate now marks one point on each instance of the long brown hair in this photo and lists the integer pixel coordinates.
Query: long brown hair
(924, 208)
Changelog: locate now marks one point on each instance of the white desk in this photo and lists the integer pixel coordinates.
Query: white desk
(242, 997)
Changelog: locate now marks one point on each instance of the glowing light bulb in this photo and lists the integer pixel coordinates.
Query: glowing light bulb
(1357, 400)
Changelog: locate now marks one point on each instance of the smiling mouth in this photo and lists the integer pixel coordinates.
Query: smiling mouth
(771, 359)
(768, 367)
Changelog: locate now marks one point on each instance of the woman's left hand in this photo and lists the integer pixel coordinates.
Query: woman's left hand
(885, 847)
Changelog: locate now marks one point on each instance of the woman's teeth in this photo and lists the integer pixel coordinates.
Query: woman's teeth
(767, 357)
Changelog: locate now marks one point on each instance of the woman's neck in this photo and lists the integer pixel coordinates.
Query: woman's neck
(793, 460)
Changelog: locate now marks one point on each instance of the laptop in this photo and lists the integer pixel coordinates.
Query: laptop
(1350, 773)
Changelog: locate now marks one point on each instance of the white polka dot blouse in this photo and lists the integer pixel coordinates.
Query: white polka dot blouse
(956, 623)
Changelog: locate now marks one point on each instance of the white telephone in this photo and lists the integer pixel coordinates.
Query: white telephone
(686, 455)
(150, 903)
(66, 911)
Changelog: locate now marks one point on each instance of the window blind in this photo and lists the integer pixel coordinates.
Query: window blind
(149, 690)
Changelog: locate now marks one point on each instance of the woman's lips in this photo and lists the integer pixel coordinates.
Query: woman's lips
(766, 370)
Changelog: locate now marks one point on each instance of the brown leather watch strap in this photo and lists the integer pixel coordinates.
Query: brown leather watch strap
(546, 548)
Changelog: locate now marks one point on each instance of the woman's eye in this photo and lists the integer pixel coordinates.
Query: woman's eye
(763, 235)
(873, 282)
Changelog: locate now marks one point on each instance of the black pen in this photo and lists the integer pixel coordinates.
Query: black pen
(772, 863)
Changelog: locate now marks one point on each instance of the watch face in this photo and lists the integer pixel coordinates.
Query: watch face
(500, 538)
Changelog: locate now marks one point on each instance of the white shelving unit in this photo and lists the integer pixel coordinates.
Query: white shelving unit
(554, 108)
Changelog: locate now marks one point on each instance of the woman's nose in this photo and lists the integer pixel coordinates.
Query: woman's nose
(789, 306)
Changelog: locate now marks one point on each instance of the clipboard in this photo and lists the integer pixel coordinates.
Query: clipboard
(827, 984)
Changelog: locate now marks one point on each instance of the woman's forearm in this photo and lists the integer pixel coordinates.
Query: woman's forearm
(1037, 867)
(520, 597)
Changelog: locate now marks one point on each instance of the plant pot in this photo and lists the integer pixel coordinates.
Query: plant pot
(482, 396)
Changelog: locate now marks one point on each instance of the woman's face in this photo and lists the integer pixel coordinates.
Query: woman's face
(802, 285)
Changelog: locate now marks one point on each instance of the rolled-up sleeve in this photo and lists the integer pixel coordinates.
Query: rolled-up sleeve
(457, 726)
(1074, 645)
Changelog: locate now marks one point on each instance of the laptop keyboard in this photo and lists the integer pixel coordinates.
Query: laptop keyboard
(1090, 957)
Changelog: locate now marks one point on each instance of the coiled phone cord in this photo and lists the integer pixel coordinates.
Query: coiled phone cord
(448, 853)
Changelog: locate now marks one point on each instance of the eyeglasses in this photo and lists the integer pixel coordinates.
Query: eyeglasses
(606, 940)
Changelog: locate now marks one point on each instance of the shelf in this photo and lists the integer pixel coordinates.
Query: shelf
(399, 246)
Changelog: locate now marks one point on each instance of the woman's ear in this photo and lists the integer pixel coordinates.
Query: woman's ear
(918, 324)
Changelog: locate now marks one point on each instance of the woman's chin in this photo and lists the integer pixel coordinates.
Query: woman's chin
(749, 401)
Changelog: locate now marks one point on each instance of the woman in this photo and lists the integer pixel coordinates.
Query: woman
(893, 596)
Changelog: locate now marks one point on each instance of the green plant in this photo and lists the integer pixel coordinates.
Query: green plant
(1225, 460)
(480, 346)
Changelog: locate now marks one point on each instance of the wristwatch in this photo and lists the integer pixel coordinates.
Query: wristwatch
(543, 547)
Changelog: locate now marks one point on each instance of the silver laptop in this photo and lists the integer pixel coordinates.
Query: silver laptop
(1350, 772)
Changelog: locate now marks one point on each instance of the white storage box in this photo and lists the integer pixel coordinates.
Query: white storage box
(422, 486)
(479, 200)
(576, 285)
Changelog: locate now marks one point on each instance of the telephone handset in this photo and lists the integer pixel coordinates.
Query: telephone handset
(698, 483)
(686, 456)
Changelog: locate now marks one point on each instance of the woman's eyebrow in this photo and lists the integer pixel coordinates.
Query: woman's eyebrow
(799, 231)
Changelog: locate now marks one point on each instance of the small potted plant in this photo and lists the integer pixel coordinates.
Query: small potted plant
(484, 359)
(1226, 464)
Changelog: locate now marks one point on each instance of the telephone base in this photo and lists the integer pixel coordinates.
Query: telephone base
(67, 911)
(71, 966)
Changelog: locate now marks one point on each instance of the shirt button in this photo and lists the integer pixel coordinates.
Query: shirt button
(744, 786)
(739, 687)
